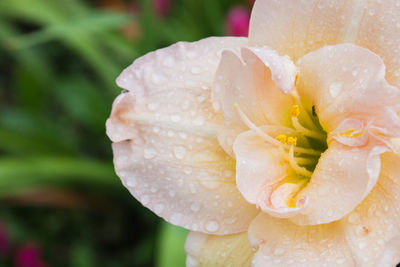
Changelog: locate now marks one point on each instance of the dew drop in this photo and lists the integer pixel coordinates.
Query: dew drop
(172, 193)
(195, 206)
(176, 218)
(279, 251)
(131, 182)
(362, 245)
(179, 152)
(354, 218)
(145, 199)
(198, 121)
(371, 12)
(212, 226)
(210, 184)
(149, 153)
(158, 79)
(152, 106)
(335, 89)
(153, 189)
(175, 118)
(169, 62)
(329, 213)
(195, 70)
(340, 261)
(159, 208)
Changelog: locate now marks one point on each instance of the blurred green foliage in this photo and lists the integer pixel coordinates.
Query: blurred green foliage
(58, 61)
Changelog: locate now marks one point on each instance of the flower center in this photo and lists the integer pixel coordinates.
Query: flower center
(301, 149)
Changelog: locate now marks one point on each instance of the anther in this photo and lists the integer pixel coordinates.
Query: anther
(292, 141)
(295, 111)
(282, 138)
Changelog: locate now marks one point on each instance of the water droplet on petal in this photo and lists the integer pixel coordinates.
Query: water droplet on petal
(149, 153)
(335, 89)
(159, 208)
(145, 200)
(279, 251)
(179, 152)
(212, 226)
(131, 182)
(176, 218)
(195, 206)
(175, 118)
(195, 70)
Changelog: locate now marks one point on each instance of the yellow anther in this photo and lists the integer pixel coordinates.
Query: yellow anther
(292, 141)
(295, 111)
(290, 202)
(282, 138)
(351, 133)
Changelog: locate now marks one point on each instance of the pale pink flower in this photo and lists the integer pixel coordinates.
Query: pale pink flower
(284, 141)
(237, 21)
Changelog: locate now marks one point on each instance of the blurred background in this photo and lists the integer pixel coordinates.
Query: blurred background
(60, 202)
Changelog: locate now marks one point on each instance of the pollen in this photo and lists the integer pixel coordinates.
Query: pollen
(282, 138)
(295, 111)
(290, 202)
(292, 141)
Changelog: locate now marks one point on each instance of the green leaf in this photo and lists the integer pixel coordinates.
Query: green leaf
(171, 252)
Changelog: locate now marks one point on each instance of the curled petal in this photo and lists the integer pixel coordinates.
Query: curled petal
(342, 179)
(165, 151)
(212, 250)
(257, 82)
(296, 28)
(350, 132)
(368, 236)
(347, 81)
(260, 168)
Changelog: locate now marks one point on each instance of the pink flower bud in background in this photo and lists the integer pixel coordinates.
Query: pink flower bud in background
(237, 21)
(4, 240)
(162, 7)
(29, 255)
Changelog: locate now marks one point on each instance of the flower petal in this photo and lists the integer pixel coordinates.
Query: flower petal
(348, 81)
(379, 31)
(172, 162)
(260, 171)
(368, 236)
(295, 28)
(258, 166)
(342, 179)
(283, 243)
(373, 226)
(212, 250)
(257, 82)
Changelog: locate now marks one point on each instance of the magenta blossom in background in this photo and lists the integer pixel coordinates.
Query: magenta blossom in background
(162, 7)
(4, 240)
(29, 255)
(237, 21)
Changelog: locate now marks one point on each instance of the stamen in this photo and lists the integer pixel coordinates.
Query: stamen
(309, 121)
(307, 132)
(301, 170)
(282, 138)
(292, 141)
(295, 111)
(270, 139)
